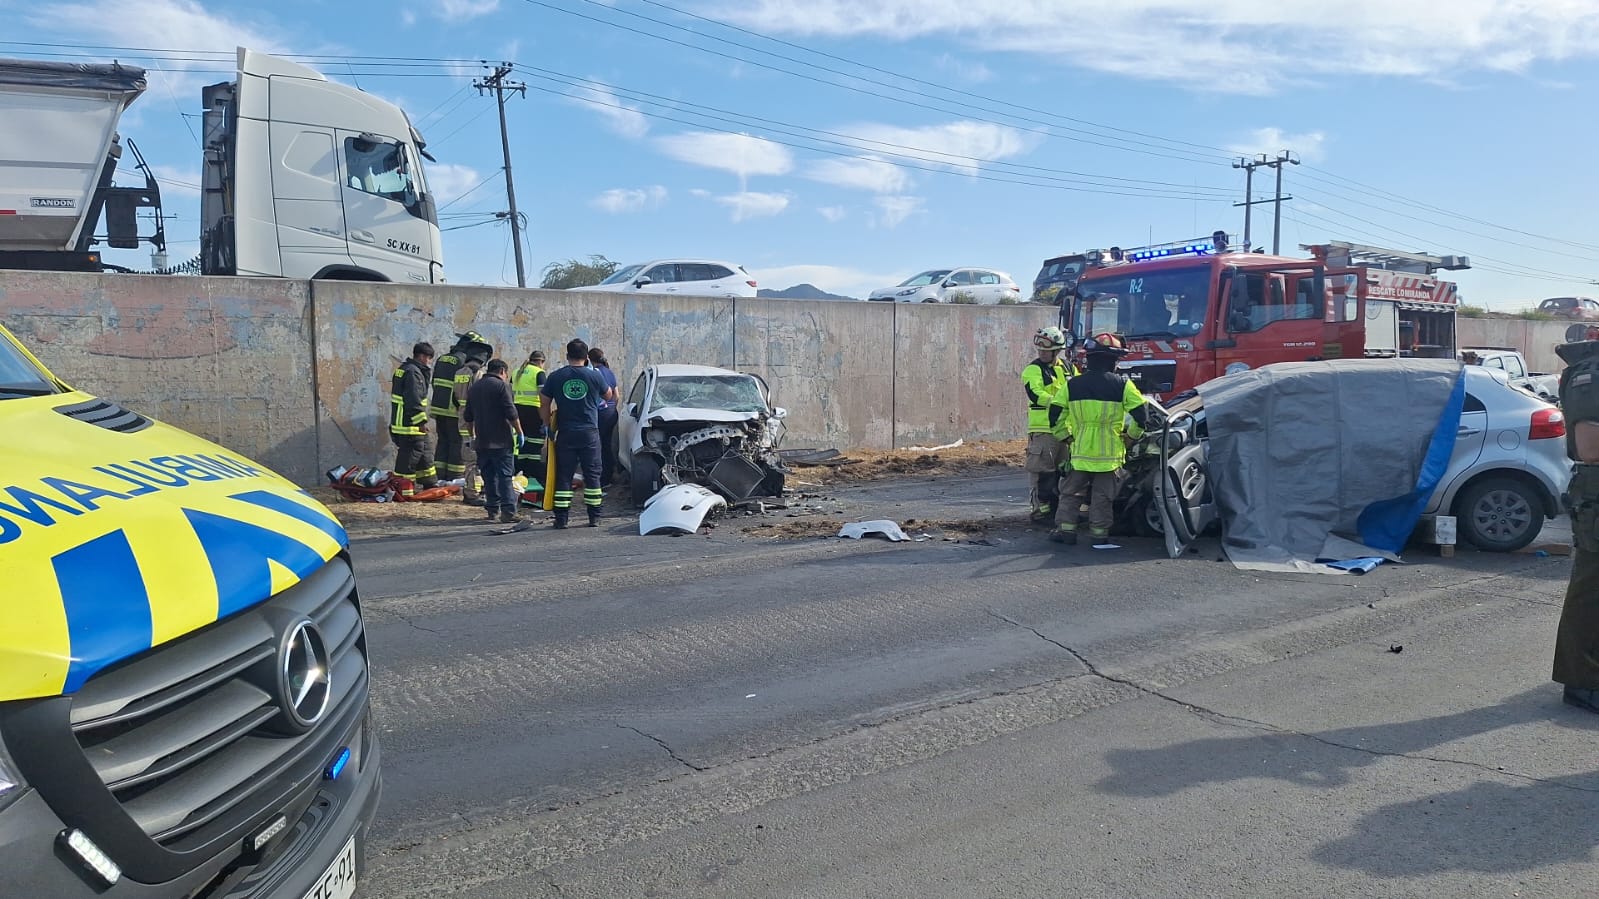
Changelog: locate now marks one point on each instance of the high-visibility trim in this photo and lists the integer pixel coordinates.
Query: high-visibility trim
(563, 499)
(593, 496)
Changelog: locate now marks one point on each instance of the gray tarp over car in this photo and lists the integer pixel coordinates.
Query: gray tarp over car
(1304, 453)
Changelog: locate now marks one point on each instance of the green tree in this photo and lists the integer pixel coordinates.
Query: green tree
(573, 273)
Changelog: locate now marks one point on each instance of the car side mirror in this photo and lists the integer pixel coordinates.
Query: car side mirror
(949, 283)
(779, 413)
(643, 282)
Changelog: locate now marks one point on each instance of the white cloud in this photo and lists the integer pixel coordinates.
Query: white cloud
(174, 180)
(751, 204)
(448, 180)
(461, 10)
(164, 23)
(620, 200)
(891, 211)
(1223, 45)
(847, 282)
(961, 145)
(699, 192)
(741, 154)
(866, 173)
(832, 213)
(1272, 141)
(965, 69)
(622, 118)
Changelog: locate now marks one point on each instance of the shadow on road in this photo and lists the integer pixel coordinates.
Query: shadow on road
(1286, 756)
(1486, 828)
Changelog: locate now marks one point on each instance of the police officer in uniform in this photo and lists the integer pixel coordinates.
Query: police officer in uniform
(571, 411)
(1040, 379)
(408, 418)
(525, 387)
(1577, 641)
(1091, 412)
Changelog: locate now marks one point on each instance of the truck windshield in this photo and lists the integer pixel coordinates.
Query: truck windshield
(1170, 303)
(19, 376)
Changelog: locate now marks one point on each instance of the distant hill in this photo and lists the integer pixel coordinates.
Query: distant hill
(801, 292)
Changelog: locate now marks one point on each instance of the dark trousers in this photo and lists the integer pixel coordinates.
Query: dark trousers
(413, 459)
(448, 454)
(575, 450)
(607, 446)
(499, 494)
(1577, 641)
(530, 458)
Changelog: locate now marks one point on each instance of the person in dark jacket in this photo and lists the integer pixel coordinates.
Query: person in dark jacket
(608, 417)
(409, 390)
(571, 411)
(497, 432)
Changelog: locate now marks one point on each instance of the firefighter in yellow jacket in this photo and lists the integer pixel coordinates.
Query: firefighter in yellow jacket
(1040, 380)
(1090, 413)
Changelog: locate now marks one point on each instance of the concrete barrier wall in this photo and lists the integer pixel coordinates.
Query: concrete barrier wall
(226, 358)
(297, 375)
(1536, 340)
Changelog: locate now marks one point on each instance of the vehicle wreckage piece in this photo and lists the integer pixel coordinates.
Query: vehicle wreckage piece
(678, 509)
(882, 527)
(714, 432)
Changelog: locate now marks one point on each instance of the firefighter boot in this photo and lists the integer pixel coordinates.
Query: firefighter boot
(1066, 534)
(594, 517)
(560, 519)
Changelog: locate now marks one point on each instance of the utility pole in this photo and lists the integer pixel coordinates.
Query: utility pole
(497, 83)
(1249, 166)
(1277, 204)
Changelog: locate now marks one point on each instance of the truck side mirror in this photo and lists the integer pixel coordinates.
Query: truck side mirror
(1237, 301)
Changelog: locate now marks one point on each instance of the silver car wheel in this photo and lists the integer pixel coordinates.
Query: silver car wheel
(1502, 515)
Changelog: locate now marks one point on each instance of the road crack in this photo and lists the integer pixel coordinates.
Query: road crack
(406, 619)
(664, 745)
(1225, 720)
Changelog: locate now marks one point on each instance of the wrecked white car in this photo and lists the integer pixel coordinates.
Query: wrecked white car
(694, 424)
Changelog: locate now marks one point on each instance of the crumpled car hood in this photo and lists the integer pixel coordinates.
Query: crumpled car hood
(679, 413)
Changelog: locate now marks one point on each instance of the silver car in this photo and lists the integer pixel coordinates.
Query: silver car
(1505, 478)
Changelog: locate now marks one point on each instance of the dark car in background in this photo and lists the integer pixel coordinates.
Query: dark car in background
(1058, 275)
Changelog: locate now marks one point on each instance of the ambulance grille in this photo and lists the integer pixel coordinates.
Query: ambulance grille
(105, 414)
(187, 737)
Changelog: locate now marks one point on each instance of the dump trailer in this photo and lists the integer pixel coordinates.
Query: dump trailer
(302, 177)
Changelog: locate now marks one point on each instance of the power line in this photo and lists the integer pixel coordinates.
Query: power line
(473, 189)
(854, 154)
(943, 110)
(915, 80)
(847, 140)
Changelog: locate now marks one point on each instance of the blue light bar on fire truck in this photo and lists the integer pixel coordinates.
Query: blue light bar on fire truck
(1192, 249)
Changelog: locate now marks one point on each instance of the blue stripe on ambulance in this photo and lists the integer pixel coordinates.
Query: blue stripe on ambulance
(108, 610)
(108, 606)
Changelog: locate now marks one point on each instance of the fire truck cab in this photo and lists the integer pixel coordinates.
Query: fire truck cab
(1196, 310)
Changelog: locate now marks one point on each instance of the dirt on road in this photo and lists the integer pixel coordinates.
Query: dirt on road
(879, 465)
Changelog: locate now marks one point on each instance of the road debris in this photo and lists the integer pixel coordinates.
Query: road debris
(884, 528)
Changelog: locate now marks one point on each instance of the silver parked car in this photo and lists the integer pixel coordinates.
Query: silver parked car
(1505, 478)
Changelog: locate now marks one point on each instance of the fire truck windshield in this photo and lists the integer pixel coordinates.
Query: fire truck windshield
(1169, 303)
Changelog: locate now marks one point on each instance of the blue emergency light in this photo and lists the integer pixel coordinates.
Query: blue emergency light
(1193, 249)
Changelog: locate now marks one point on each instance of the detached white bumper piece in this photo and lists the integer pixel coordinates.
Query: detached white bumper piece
(678, 509)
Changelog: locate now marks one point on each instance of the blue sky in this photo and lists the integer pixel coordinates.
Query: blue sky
(1031, 128)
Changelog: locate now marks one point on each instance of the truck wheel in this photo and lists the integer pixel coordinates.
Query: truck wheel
(1499, 514)
(644, 479)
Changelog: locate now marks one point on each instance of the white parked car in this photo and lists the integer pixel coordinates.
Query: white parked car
(688, 277)
(985, 286)
(695, 424)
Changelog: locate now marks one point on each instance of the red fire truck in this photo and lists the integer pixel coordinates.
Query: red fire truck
(1196, 310)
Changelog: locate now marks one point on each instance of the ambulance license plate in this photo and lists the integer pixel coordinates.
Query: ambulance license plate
(338, 881)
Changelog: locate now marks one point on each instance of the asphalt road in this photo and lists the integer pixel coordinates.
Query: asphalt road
(595, 713)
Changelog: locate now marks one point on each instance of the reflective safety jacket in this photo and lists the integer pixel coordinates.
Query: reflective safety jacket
(526, 385)
(1091, 411)
(408, 397)
(1041, 382)
(445, 370)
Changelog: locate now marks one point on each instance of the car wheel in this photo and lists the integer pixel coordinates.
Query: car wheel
(1499, 514)
(644, 479)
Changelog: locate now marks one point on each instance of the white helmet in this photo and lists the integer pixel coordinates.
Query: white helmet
(1049, 339)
